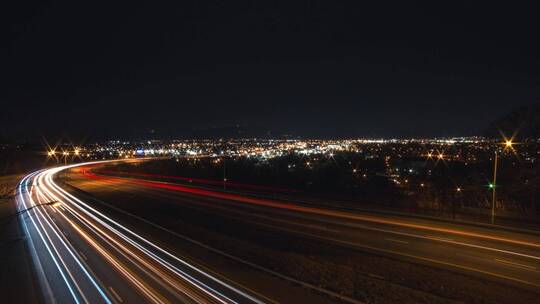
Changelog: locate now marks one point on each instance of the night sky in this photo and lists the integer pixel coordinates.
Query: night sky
(313, 69)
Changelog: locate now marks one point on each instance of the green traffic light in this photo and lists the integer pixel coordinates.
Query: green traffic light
(491, 186)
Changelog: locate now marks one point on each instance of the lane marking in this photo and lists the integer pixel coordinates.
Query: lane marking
(523, 266)
(324, 212)
(501, 276)
(83, 256)
(468, 255)
(441, 238)
(237, 259)
(50, 247)
(434, 238)
(497, 275)
(450, 264)
(35, 258)
(444, 241)
(376, 276)
(396, 241)
(116, 295)
(189, 278)
(412, 256)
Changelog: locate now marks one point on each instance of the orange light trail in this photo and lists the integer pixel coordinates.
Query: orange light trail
(304, 209)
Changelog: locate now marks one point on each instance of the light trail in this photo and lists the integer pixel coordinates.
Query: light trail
(154, 273)
(46, 288)
(203, 181)
(468, 243)
(53, 256)
(134, 234)
(88, 256)
(150, 294)
(312, 210)
(46, 217)
(160, 260)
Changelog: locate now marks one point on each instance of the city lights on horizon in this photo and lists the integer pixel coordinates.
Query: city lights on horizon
(438, 149)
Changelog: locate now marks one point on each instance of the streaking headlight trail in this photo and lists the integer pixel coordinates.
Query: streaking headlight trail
(82, 255)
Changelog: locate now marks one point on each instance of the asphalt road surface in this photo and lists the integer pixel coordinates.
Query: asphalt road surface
(84, 256)
(117, 239)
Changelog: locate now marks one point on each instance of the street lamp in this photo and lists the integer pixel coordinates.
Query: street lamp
(52, 153)
(458, 195)
(224, 175)
(65, 155)
(508, 144)
(493, 187)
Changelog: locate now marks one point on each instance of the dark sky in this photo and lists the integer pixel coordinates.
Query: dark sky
(317, 69)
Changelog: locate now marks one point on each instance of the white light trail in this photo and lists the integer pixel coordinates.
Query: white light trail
(97, 230)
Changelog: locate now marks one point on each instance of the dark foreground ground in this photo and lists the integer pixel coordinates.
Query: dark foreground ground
(269, 251)
(17, 280)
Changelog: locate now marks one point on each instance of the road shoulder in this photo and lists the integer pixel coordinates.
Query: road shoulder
(17, 279)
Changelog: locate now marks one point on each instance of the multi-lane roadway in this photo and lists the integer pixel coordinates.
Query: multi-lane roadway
(84, 256)
(118, 239)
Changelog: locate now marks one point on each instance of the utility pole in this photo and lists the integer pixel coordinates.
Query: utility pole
(494, 188)
(224, 174)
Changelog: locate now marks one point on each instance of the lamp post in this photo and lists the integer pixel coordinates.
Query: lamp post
(224, 175)
(493, 186)
(508, 144)
(457, 196)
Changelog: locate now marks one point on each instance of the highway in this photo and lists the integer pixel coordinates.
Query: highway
(119, 239)
(83, 256)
